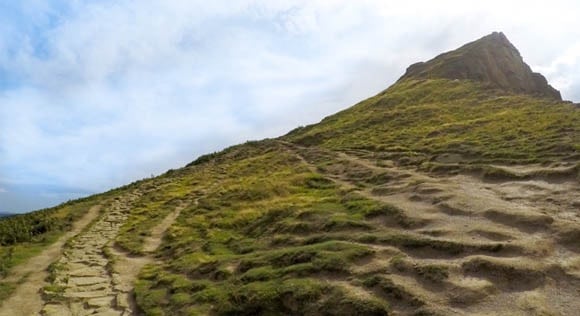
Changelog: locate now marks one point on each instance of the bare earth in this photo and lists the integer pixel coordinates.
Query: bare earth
(535, 221)
(26, 299)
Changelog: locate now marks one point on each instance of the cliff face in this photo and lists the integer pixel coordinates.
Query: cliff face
(491, 59)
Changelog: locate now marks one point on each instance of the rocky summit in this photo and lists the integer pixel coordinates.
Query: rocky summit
(456, 191)
(491, 59)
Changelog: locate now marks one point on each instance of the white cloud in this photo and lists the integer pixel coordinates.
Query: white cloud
(110, 91)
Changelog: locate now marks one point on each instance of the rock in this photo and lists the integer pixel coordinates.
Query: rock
(85, 272)
(109, 313)
(80, 281)
(100, 301)
(492, 60)
(92, 288)
(123, 300)
(88, 294)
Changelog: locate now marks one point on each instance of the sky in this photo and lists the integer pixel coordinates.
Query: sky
(97, 94)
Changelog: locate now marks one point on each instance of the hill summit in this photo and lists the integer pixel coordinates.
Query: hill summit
(492, 59)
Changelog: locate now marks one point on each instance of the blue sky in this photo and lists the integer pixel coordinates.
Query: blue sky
(96, 94)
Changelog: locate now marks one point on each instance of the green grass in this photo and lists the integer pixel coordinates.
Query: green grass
(6, 289)
(416, 120)
(262, 229)
(270, 227)
(25, 236)
(244, 247)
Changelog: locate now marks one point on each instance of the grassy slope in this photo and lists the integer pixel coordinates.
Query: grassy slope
(258, 238)
(266, 234)
(263, 232)
(419, 119)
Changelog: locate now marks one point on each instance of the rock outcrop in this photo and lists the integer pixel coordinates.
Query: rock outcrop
(492, 60)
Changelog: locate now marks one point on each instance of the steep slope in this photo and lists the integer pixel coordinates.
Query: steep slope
(425, 120)
(491, 59)
(436, 197)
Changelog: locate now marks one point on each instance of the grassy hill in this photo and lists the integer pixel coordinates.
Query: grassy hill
(298, 225)
(437, 196)
(424, 120)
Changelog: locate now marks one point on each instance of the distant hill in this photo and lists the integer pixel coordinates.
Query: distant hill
(455, 191)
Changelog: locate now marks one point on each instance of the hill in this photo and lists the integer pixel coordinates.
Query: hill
(453, 192)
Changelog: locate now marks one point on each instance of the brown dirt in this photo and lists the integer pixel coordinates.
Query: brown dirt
(535, 221)
(26, 299)
(126, 268)
(153, 241)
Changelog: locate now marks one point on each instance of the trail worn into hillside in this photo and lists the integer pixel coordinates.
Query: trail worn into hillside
(93, 277)
(26, 299)
(82, 282)
(125, 268)
(495, 246)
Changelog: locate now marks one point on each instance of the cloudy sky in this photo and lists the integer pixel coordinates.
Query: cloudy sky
(95, 94)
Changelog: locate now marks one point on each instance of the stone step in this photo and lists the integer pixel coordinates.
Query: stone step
(88, 294)
(106, 301)
(80, 281)
(122, 300)
(87, 272)
(90, 288)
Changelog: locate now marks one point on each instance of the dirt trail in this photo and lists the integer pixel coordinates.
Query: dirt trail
(126, 268)
(533, 219)
(26, 299)
(152, 242)
(94, 278)
(83, 284)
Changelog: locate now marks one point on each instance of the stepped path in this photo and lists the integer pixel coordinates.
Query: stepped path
(88, 276)
(26, 299)
(83, 281)
(94, 278)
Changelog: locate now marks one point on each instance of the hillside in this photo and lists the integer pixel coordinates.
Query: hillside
(456, 191)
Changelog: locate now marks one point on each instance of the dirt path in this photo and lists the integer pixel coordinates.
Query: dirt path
(534, 219)
(126, 268)
(152, 242)
(94, 278)
(82, 282)
(26, 299)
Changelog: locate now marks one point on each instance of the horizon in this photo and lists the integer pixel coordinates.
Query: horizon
(87, 107)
